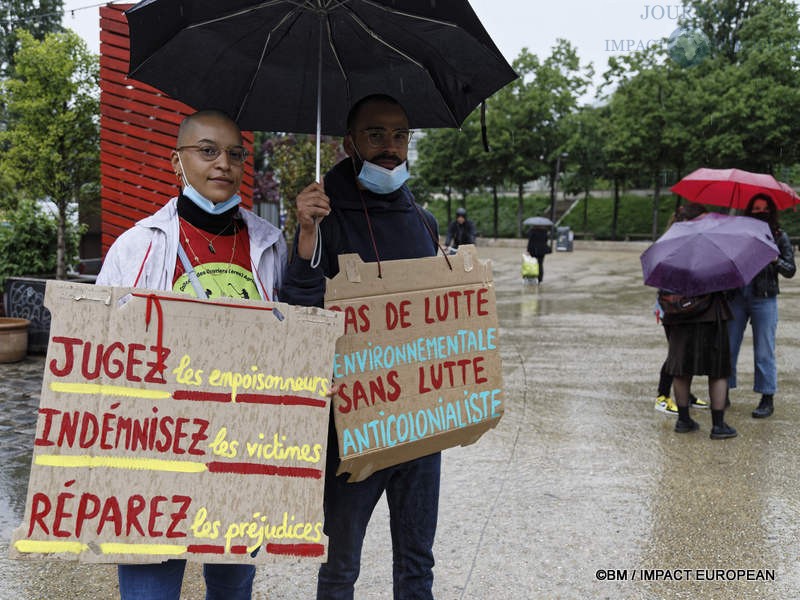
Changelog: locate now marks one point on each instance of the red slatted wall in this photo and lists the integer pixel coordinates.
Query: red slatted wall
(138, 126)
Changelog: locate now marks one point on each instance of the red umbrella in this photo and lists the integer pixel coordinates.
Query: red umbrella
(733, 188)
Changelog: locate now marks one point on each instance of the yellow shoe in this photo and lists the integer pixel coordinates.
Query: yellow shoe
(697, 403)
(666, 405)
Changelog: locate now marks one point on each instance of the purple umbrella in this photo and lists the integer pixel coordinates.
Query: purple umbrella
(708, 254)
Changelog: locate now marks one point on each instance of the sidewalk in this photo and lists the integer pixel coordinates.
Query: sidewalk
(581, 480)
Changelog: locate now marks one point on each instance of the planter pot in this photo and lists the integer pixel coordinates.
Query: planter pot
(13, 339)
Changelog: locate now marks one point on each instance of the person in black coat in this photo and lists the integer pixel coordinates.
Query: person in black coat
(369, 211)
(538, 246)
(698, 345)
(460, 231)
(757, 302)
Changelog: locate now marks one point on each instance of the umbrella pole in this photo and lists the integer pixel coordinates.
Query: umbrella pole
(319, 98)
(316, 255)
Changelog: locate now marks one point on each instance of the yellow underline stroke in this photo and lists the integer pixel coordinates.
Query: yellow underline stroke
(118, 548)
(49, 547)
(108, 390)
(119, 462)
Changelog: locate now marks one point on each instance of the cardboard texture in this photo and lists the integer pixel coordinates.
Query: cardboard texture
(419, 363)
(171, 427)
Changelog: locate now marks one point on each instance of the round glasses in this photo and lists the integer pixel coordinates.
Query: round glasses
(380, 138)
(209, 153)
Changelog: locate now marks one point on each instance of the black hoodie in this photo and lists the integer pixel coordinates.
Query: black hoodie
(398, 226)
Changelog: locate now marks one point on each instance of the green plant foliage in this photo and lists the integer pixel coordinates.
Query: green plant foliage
(51, 142)
(292, 160)
(28, 236)
(480, 211)
(37, 17)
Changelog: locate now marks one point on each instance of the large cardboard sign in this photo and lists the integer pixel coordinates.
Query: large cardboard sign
(171, 427)
(419, 364)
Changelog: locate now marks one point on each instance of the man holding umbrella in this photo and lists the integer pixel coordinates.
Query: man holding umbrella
(434, 57)
(365, 207)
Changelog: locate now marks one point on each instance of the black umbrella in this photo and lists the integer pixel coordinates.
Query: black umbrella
(268, 63)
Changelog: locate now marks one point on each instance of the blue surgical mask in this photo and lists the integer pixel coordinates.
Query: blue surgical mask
(204, 203)
(379, 180)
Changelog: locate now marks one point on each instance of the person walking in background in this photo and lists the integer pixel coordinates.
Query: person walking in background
(460, 231)
(698, 345)
(757, 302)
(538, 247)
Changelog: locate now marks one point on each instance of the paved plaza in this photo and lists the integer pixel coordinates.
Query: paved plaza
(580, 485)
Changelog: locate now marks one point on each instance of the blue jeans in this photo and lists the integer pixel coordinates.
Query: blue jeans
(412, 492)
(162, 581)
(763, 316)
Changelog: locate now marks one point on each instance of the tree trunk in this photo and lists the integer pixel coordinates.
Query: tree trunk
(553, 198)
(61, 241)
(495, 207)
(519, 209)
(586, 212)
(677, 198)
(616, 209)
(656, 202)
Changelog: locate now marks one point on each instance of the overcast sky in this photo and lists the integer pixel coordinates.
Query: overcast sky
(598, 29)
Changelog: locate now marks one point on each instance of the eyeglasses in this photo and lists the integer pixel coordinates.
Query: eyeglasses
(209, 153)
(380, 138)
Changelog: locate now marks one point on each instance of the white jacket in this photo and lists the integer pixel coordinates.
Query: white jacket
(145, 255)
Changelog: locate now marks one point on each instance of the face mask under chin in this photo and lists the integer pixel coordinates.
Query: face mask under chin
(377, 179)
(201, 201)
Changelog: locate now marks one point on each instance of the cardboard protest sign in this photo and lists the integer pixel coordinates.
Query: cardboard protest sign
(419, 364)
(171, 427)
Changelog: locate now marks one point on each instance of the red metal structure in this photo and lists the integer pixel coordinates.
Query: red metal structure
(138, 125)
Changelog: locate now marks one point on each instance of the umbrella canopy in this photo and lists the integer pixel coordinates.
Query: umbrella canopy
(269, 63)
(733, 188)
(712, 253)
(538, 222)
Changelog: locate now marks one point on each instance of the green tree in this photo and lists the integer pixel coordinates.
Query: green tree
(585, 146)
(526, 131)
(37, 17)
(52, 139)
(650, 119)
(721, 21)
(432, 170)
(292, 160)
(748, 92)
(448, 159)
(527, 117)
(27, 237)
(433, 167)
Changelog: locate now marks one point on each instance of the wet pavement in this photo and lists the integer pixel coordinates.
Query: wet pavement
(582, 482)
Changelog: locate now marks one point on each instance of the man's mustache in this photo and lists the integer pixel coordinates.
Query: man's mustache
(386, 156)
